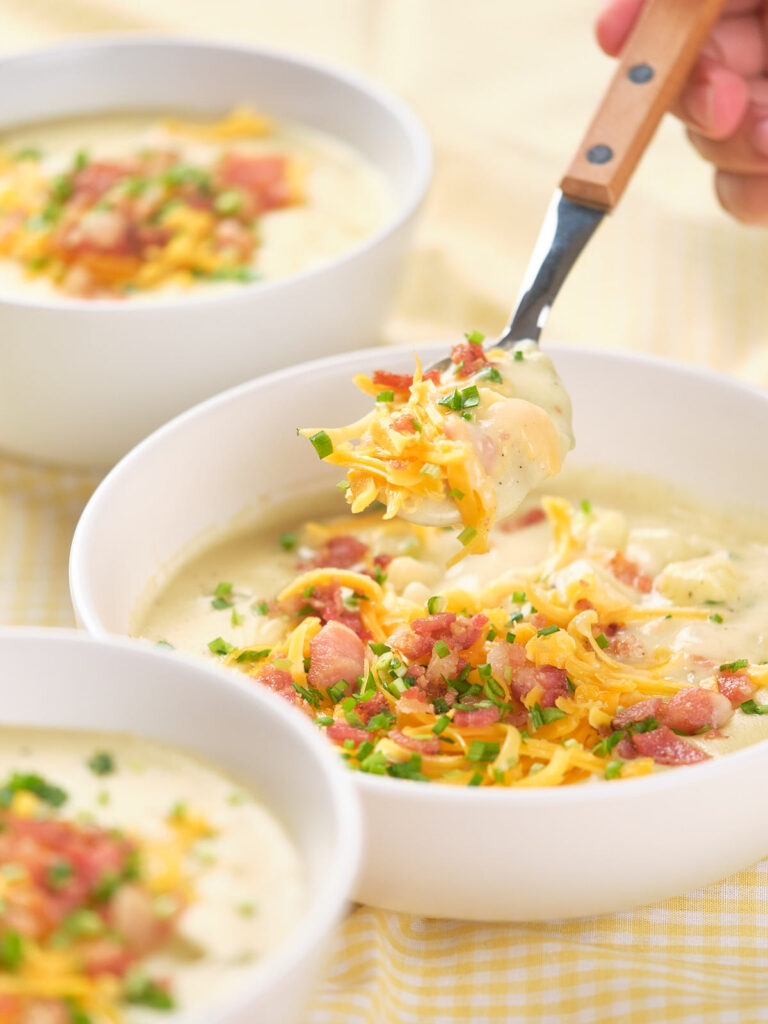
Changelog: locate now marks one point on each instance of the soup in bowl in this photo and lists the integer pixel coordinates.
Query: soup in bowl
(151, 861)
(172, 215)
(590, 680)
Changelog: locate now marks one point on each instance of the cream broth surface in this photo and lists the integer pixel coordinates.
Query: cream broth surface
(713, 562)
(248, 882)
(346, 199)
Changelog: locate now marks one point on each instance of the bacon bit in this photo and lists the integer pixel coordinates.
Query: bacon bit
(627, 646)
(736, 686)
(554, 683)
(279, 680)
(327, 603)
(366, 709)
(583, 605)
(341, 731)
(538, 620)
(98, 177)
(336, 653)
(694, 708)
(637, 712)
(522, 520)
(476, 719)
(430, 745)
(404, 424)
(413, 702)
(664, 747)
(264, 178)
(503, 656)
(458, 632)
(401, 381)
(341, 552)
(468, 358)
(628, 572)
(441, 668)
(509, 665)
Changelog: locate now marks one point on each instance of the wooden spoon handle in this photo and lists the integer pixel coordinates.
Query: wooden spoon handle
(655, 62)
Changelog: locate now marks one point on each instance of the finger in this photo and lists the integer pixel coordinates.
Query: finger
(744, 196)
(714, 101)
(738, 43)
(746, 150)
(617, 18)
(614, 23)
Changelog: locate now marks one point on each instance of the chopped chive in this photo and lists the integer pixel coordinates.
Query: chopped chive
(475, 337)
(379, 649)
(220, 646)
(482, 750)
(467, 535)
(342, 485)
(518, 356)
(102, 763)
(260, 608)
(552, 715)
(251, 655)
(59, 873)
(476, 779)
(518, 596)
(21, 782)
(430, 469)
(436, 605)
(440, 705)
(322, 444)
(456, 494)
(441, 649)
(287, 541)
(511, 637)
(11, 951)
(220, 603)
(548, 630)
(236, 618)
(734, 666)
(385, 396)
(750, 707)
(337, 691)
(602, 641)
(490, 373)
(470, 397)
(228, 202)
(223, 589)
(164, 643)
(537, 717)
(716, 617)
(586, 507)
(441, 724)
(613, 769)
(324, 720)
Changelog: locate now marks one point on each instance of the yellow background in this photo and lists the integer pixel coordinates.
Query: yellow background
(505, 87)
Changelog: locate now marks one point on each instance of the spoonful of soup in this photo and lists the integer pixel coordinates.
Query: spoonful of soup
(466, 440)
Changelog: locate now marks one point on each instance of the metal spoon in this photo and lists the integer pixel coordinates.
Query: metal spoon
(654, 64)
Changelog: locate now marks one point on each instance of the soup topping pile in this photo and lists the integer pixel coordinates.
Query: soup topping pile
(105, 228)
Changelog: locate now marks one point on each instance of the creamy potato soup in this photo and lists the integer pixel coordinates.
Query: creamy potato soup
(613, 628)
(133, 879)
(463, 445)
(142, 205)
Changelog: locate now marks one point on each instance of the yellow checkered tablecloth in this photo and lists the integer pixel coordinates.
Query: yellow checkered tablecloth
(505, 89)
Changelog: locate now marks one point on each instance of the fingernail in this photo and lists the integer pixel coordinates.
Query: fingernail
(700, 103)
(759, 137)
(726, 186)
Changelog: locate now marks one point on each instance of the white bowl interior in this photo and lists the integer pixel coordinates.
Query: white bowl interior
(696, 428)
(66, 680)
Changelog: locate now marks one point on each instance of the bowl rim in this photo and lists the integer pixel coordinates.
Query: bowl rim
(326, 905)
(418, 140)
(372, 786)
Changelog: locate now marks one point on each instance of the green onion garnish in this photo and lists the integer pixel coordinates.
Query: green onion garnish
(734, 666)
(467, 535)
(456, 494)
(220, 646)
(749, 707)
(436, 605)
(716, 617)
(441, 649)
(323, 445)
(547, 630)
(586, 507)
(251, 655)
(490, 373)
(430, 469)
(482, 750)
(602, 641)
(441, 724)
(102, 763)
(287, 541)
(475, 338)
(613, 769)
(518, 596)
(518, 356)
(260, 608)
(385, 396)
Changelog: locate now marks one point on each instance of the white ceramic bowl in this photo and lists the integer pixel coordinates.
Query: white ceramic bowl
(83, 381)
(62, 679)
(441, 851)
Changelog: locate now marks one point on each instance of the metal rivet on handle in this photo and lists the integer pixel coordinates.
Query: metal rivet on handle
(640, 73)
(599, 154)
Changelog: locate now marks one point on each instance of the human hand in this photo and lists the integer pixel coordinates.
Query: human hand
(725, 101)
